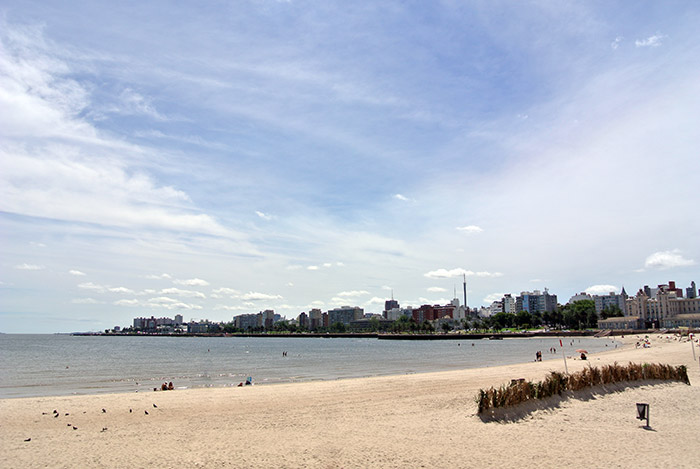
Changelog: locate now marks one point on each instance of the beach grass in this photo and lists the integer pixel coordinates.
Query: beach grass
(556, 383)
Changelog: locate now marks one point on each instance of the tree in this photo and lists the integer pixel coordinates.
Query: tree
(337, 327)
(611, 311)
(580, 314)
(445, 327)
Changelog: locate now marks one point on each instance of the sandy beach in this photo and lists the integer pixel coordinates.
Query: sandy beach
(420, 420)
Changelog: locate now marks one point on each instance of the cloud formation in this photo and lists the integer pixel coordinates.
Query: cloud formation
(664, 260)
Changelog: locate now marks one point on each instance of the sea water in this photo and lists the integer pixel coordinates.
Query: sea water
(43, 365)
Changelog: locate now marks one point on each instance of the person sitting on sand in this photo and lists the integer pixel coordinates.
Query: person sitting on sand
(164, 387)
(583, 356)
(170, 386)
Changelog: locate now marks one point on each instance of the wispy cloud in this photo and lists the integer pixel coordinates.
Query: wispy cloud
(29, 267)
(452, 273)
(77, 273)
(192, 282)
(470, 229)
(353, 293)
(651, 41)
(256, 296)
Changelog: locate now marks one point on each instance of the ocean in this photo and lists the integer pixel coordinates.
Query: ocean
(46, 365)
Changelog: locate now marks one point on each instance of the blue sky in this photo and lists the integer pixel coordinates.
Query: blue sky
(219, 158)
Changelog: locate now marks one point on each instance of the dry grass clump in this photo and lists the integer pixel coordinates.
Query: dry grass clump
(555, 383)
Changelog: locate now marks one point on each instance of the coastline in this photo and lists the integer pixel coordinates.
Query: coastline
(388, 421)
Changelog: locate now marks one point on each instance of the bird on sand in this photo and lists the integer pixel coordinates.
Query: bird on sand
(28, 439)
(74, 427)
(146, 412)
(155, 406)
(104, 411)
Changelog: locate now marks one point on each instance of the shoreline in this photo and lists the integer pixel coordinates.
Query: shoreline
(221, 373)
(405, 420)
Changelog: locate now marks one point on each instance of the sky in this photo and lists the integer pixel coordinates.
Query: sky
(212, 159)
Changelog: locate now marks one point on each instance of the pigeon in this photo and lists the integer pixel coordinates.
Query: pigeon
(104, 429)
(28, 439)
(155, 406)
(55, 411)
(67, 413)
(104, 411)
(74, 427)
(69, 425)
(55, 416)
(129, 410)
(146, 412)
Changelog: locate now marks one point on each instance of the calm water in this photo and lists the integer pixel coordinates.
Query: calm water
(42, 365)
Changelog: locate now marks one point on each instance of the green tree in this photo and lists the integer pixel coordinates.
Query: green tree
(337, 327)
(611, 311)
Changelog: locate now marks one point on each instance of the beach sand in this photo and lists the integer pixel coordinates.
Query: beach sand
(421, 420)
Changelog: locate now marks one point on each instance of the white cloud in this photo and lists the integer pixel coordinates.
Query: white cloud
(651, 41)
(158, 277)
(133, 103)
(263, 215)
(353, 293)
(86, 301)
(182, 293)
(76, 273)
(436, 289)
(492, 297)
(225, 291)
(401, 197)
(29, 267)
(256, 296)
(452, 273)
(192, 282)
(667, 260)
(312, 267)
(601, 289)
(127, 303)
(91, 286)
(375, 301)
(470, 229)
(616, 43)
(230, 308)
(120, 290)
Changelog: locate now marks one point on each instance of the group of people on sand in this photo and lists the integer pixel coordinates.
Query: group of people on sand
(167, 386)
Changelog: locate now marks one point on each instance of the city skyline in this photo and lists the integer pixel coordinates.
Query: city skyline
(281, 155)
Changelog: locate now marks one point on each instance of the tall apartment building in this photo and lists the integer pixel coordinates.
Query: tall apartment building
(345, 314)
(536, 302)
(611, 299)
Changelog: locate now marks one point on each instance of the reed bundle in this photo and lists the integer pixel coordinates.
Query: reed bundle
(556, 383)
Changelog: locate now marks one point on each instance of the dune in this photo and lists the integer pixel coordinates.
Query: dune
(418, 420)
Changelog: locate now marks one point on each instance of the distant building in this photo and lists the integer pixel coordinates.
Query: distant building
(246, 322)
(536, 302)
(691, 291)
(315, 319)
(611, 299)
(579, 297)
(345, 314)
(663, 306)
(303, 320)
(389, 305)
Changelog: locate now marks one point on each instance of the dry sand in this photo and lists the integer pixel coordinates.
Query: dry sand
(422, 420)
